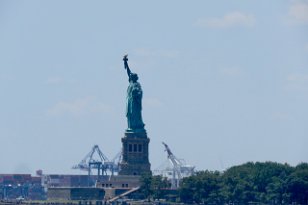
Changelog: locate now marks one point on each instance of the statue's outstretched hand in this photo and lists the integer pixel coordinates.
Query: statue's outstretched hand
(125, 57)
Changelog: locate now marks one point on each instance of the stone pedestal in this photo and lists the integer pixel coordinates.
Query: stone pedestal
(135, 154)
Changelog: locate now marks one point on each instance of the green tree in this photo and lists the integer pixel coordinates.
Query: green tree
(258, 182)
(146, 185)
(239, 182)
(153, 186)
(297, 184)
(204, 187)
(263, 182)
(159, 186)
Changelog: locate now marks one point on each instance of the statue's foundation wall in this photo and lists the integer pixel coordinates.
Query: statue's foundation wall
(74, 193)
(135, 148)
(119, 181)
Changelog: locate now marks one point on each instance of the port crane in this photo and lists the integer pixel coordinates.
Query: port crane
(101, 163)
(177, 170)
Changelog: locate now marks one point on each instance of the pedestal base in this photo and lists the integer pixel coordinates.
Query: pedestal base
(135, 154)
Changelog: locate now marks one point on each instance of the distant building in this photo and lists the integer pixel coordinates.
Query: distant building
(13, 186)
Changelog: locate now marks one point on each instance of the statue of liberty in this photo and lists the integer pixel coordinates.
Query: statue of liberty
(133, 101)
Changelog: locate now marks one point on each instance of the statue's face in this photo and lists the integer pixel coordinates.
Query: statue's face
(134, 77)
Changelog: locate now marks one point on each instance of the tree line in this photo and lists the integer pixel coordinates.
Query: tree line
(260, 182)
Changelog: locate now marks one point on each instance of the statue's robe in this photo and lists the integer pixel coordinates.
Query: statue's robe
(134, 107)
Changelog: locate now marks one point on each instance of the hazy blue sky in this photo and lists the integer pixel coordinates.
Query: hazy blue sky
(225, 82)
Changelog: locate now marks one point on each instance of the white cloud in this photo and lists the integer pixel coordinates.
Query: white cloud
(78, 107)
(299, 11)
(280, 116)
(231, 71)
(54, 80)
(152, 102)
(5, 77)
(299, 78)
(233, 19)
(144, 52)
(297, 82)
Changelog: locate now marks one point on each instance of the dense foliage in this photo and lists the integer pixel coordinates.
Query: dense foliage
(269, 182)
(154, 186)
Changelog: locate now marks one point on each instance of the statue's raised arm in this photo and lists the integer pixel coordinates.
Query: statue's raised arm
(125, 59)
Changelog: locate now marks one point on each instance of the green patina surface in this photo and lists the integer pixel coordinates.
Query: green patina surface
(133, 101)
